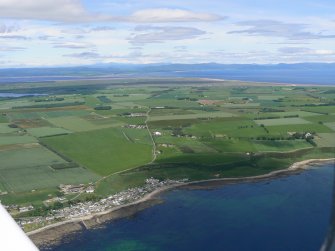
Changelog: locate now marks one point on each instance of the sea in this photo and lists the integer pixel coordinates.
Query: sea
(290, 212)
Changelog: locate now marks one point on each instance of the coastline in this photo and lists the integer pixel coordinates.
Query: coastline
(53, 234)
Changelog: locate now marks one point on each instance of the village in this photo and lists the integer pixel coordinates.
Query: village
(83, 209)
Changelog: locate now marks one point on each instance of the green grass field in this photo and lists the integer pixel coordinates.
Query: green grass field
(78, 124)
(27, 169)
(4, 128)
(280, 145)
(103, 151)
(47, 131)
(16, 139)
(284, 129)
(226, 128)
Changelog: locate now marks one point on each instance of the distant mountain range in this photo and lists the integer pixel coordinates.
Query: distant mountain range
(302, 73)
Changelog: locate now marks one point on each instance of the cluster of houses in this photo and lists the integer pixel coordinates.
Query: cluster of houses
(140, 114)
(135, 126)
(70, 189)
(90, 207)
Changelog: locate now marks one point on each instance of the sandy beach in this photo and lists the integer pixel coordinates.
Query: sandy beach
(54, 233)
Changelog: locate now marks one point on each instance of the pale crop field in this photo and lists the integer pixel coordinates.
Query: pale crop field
(325, 139)
(282, 121)
(47, 131)
(16, 139)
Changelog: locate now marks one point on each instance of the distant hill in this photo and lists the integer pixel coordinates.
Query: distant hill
(303, 73)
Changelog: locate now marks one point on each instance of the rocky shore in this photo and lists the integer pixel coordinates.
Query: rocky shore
(54, 233)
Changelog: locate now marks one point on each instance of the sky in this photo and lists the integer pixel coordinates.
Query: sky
(82, 32)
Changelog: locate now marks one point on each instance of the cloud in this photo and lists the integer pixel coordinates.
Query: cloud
(85, 55)
(73, 11)
(60, 10)
(164, 15)
(161, 34)
(72, 45)
(4, 29)
(101, 28)
(15, 37)
(272, 28)
(305, 51)
(11, 48)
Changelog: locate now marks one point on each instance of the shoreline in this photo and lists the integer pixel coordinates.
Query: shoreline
(53, 234)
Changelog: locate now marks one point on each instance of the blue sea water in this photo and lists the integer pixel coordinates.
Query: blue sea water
(280, 214)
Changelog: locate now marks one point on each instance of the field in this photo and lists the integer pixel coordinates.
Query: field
(326, 139)
(116, 134)
(193, 116)
(47, 131)
(29, 169)
(16, 139)
(102, 151)
(282, 121)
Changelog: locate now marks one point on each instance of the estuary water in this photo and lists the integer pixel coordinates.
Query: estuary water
(280, 214)
(19, 95)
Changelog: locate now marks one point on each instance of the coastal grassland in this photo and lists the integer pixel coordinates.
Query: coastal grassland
(232, 166)
(280, 145)
(231, 145)
(103, 151)
(205, 158)
(29, 168)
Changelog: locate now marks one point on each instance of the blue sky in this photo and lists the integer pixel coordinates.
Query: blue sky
(81, 32)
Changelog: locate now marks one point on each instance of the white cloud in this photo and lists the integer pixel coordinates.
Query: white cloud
(160, 34)
(85, 55)
(5, 48)
(306, 51)
(4, 29)
(72, 45)
(164, 15)
(74, 11)
(60, 10)
(274, 28)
